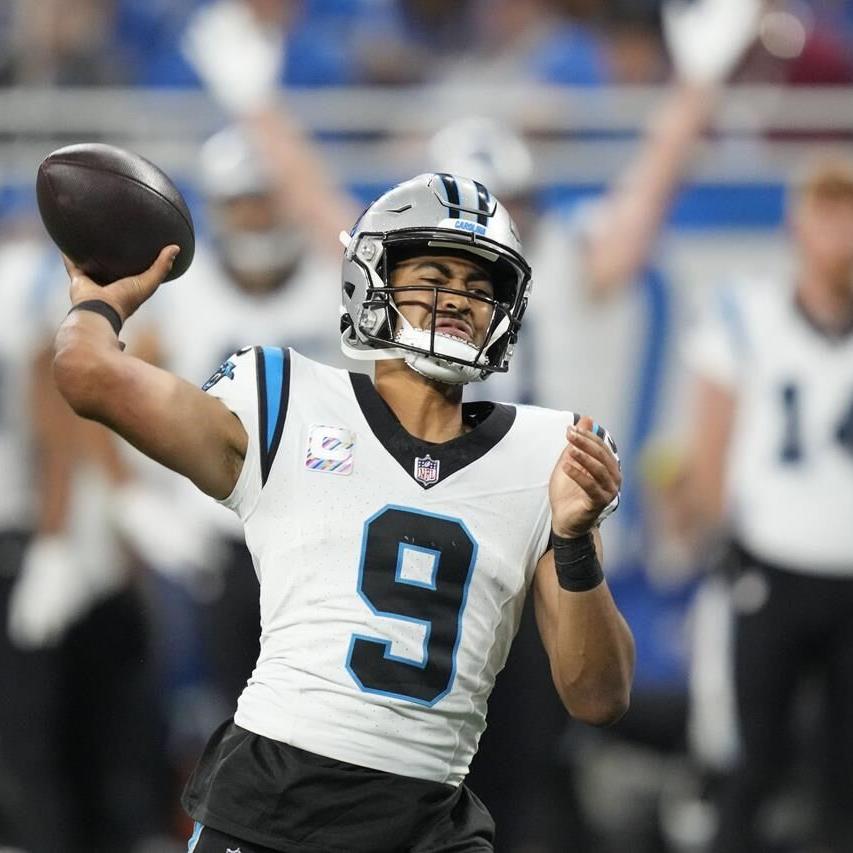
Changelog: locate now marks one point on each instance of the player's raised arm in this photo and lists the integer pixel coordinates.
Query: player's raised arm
(706, 40)
(237, 52)
(166, 418)
(589, 644)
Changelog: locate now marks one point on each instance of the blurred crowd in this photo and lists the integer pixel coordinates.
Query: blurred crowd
(398, 42)
(130, 614)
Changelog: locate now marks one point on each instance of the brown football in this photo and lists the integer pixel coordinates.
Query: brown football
(112, 211)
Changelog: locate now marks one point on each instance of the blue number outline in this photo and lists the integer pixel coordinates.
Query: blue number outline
(386, 644)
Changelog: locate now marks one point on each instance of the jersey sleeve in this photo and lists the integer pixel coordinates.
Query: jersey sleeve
(254, 384)
(716, 345)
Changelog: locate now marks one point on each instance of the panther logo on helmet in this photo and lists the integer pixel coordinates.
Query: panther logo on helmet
(434, 211)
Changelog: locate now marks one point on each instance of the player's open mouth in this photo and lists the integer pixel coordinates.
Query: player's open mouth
(454, 329)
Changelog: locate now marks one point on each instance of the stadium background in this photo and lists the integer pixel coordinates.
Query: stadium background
(371, 81)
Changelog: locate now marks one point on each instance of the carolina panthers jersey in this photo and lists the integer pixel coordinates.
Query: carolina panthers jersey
(392, 571)
(790, 467)
(204, 317)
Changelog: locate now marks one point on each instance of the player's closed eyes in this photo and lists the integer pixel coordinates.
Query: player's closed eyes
(481, 291)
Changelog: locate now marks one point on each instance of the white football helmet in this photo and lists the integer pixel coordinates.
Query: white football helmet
(432, 212)
(230, 168)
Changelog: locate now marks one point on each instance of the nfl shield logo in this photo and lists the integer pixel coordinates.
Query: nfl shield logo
(426, 469)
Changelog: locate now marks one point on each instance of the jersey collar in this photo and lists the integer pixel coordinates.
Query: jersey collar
(427, 463)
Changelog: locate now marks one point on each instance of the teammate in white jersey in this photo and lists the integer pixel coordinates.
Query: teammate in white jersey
(394, 531)
(258, 277)
(773, 458)
(73, 632)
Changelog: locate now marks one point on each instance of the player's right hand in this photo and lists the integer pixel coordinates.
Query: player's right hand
(126, 294)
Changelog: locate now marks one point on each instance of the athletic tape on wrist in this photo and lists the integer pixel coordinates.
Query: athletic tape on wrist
(98, 306)
(578, 569)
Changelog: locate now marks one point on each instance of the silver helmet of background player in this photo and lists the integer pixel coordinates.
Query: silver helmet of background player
(232, 169)
(429, 214)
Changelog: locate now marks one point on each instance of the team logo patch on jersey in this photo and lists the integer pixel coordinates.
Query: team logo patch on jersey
(330, 449)
(225, 371)
(426, 469)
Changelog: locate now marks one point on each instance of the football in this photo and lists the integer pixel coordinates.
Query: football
(112, 211)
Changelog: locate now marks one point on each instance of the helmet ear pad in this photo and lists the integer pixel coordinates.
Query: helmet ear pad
(371, 317)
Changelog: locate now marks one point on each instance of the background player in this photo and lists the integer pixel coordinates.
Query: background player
(74, 649)
(771, 463)
(455, 318)
(260, 273)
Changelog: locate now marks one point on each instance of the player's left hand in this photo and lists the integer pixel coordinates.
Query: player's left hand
(584, 483)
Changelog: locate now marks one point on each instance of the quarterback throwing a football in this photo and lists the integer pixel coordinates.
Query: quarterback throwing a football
(395, 531)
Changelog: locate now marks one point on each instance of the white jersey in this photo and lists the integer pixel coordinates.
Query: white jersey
(573, 346)
(392, 571)
(28, 272)
(33, 300)
(790, 466)
(204, 316)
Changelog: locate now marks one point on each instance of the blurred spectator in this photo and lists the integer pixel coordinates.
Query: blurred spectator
(526, 41)
(264, 270)
(635, 50)
(64, 43)
(403, 42)
(308, 51)
(260, 274)
(796, 47)
(771, 462)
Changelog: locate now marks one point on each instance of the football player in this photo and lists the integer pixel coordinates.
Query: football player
(394, 530)
(773, 464)
(258, 274)
(75, 635)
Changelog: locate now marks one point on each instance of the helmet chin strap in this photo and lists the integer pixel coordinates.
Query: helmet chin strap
(435, 367)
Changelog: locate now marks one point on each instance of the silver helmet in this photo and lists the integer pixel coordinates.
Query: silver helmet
(427, 213)
(230, 168)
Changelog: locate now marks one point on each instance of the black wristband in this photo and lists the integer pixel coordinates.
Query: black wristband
(102, 308)
(578, 569)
